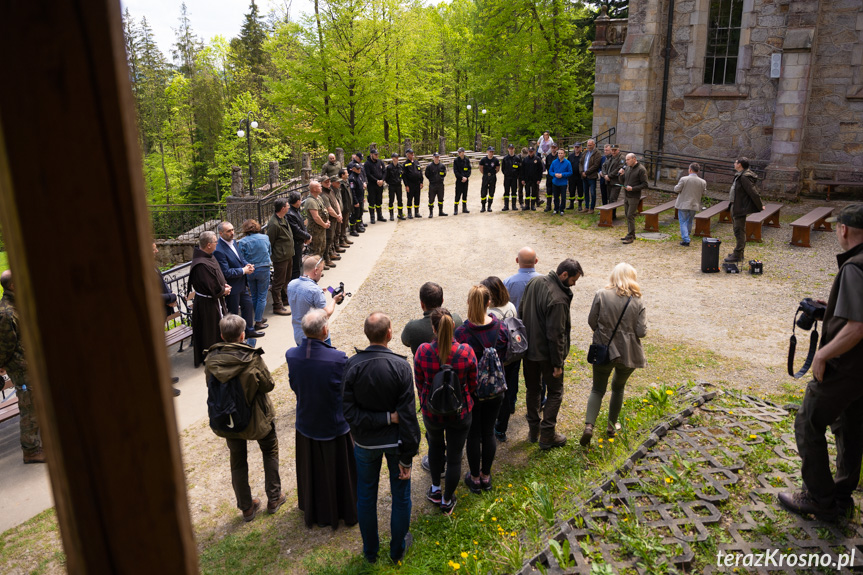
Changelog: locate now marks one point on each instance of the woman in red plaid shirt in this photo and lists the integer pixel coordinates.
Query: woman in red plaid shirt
(427, 362)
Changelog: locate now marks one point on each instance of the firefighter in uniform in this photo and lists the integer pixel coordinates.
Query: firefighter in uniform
(435, 174)
(511, 166)
(355, 181)
(374, 169)
(489, 166)
(461, 168)
(393, 178)
(531, 175)
(576, 191)
(413, 179)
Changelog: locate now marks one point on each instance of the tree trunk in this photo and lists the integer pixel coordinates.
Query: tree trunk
(165, 172)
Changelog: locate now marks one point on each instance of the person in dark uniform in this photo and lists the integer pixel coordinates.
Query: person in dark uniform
(611, 173)
(531, 175)
(435, 174)
(521, 158)
(461, 168)
(489, 166)
(576, 192)
(413, 179)
(393, 178)
(511, 165)
(603, 183)
(347, 202)
(358, 159)
(355, 181)
(374, 169)
(549, 186)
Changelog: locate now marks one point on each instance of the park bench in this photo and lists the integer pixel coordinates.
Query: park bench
(702, 220)
(178, 332)
(835, 182)
(769, 216)
(651, 216)
(801, 227)
(9, 407)
(608, 212)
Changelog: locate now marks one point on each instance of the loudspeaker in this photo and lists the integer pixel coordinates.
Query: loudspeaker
(710, 255)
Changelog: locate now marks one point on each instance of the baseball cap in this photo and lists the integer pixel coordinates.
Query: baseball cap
(615, 147)
(373, 151)
(577, 144)
(511, 146)
(355, 165)
(394, 155)
(324, 178)
(461, 149)
(531, 149)
(360, 155)
(436, 155)
(851, 216)
(409, 151)
(490, 149)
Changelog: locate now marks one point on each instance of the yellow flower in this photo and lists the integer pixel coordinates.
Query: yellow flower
(513, 533)
(669, 392)
(494, 518)
(464, 554)
(600, 440)
(626, 518)
(475, 542)
(611, 440)
(509, 485)
(454, 565)
(669, 480)
(437, 542)
(753, 436)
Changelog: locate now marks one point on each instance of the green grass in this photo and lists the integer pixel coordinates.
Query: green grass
(4, 265)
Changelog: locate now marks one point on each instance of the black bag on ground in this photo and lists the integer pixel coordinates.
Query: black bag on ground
(597, 354)
(446, 397)
(226, 405)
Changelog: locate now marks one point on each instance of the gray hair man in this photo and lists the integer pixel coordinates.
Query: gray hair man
(690, 190)
(304, 295)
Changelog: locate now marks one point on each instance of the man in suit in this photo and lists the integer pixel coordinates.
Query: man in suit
(689, 190)
(235, 269)
(169, 298)
(590, 165)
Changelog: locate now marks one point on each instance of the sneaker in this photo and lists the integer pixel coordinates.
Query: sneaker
(447, 508)
(252, 511)
(485, 483)
(586, 435)
(273, 506)
(557, 440)
(801, 502)
(500, 435)
(685, 244)
(434, 496)
(473, 486)
(628, 241)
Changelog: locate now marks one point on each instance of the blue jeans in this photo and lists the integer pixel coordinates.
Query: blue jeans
(368, 474)
(259, 283)
(589, 193)
(686, 218)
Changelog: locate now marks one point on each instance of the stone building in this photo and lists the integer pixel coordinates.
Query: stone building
(779, 81)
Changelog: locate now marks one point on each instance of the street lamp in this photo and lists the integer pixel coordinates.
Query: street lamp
(250, 124)
(476, 113)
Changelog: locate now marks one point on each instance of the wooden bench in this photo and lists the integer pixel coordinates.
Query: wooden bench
(608, 212)
(9, 407)
(702, 220)
(801, 227)
(830, 184)
(178, 332)
(768, 216)
(651, 216)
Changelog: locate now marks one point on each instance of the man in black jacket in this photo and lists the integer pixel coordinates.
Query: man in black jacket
(489, 166)
(744, 200)
(356, 184)
(461, 168)
(393, 178)
(576, 192)
(374, 169)
(435, 174)
(413, 179)
(531, 175)
(510, 166)
(379, 406)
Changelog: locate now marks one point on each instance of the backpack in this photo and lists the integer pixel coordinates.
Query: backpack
(490, 379)
(227, 407)
(446, 397)
(517, 346)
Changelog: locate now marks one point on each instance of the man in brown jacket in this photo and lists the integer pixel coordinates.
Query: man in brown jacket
(634, 180)
(234, 362)
(591, 162)
(544, 309)
(744, 200)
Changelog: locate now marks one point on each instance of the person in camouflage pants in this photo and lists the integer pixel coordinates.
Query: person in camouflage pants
(12, 360)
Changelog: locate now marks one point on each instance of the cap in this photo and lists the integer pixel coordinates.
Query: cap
(436, 155)
(511, 146)
(409, 151)
(324, 178)
(851, 216)
(373, 151)
(394, 155)
(577, 144)
(360, 155)
(490, 149)
(355, 166)
(553, 145)
(461, 149)
(531, 149)
(615, 147)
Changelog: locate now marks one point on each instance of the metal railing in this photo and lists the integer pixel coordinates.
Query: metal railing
(183, 221)
(719, 170)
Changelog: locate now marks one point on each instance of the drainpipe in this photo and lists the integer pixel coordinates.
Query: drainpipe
(665, 73)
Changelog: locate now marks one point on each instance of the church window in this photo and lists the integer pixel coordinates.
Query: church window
(723, 41)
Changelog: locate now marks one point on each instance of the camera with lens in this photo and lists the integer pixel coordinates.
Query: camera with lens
(810, 311)
(335, 292)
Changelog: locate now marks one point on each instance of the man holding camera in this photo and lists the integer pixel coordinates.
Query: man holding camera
(304, 295)
(834, 397)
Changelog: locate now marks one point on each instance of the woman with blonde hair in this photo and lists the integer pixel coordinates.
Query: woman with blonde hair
(482, 331)
(617, 304)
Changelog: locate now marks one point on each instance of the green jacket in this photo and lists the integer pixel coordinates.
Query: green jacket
(11, 351)
(228, 360)
(281, 238)
(544, 309)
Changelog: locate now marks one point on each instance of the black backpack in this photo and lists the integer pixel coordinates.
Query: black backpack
(446, 397)
(227, 407)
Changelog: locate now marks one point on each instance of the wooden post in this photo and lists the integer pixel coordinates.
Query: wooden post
(441, 147)
(101, 387)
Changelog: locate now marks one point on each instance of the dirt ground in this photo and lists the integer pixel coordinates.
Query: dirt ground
(743, 318)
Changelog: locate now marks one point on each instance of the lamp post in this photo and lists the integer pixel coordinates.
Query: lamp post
(476, 112)
(249, 123)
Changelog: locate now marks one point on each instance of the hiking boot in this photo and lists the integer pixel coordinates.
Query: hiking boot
(586, 435)
(328, 264)
(252, 511)
(612, 429)
(446, 508)
(38, 457)
(464, 209)
(732, 259)
(628, 241)
(801, 502)
(273, 506)
(557, 440)
(282, 311)
(473, 486)
(533, 435)
(434, 496)
(500, 435)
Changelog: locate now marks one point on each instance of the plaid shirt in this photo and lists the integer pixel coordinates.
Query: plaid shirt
(427, 364)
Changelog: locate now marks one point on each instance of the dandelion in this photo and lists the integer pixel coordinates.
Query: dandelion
(494, 518)
(455, 566)
(513, 533)
(437, 542)
(509, 485)
(611, 440)
(464, 554)
(753, 436)
(475, 542)
(669, 392)
(669, 480)
(600, 440)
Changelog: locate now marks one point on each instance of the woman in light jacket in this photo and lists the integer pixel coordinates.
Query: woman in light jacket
(624, 351)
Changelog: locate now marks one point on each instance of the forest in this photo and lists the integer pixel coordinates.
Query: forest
(351, 73)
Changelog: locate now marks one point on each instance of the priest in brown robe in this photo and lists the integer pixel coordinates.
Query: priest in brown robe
(206, 278)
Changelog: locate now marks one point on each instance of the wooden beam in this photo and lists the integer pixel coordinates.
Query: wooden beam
(74, 217)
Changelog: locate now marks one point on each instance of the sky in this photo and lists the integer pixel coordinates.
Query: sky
(209, 17)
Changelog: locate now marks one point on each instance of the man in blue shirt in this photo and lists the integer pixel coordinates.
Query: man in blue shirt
(304, 294)
(560, 171)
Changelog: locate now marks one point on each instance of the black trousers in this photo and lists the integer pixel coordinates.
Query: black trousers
(446, 440)
(511, 372)
(837, 402)
(549, 188)
(486, 190)
(357, 213)
(603, 190)
(520, 192)
(481, 442)
(436, 191)
(376, 196)
(413, 193)
(396, 195)
(510, 183)
(240, 469)
(461, 192)
(576, 191)
(531, 193)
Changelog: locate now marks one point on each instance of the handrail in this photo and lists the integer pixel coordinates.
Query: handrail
(719, 166)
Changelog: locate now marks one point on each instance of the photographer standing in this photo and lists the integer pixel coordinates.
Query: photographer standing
(834, 397)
